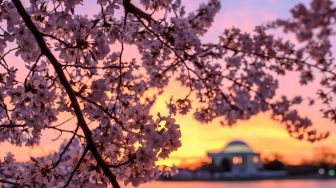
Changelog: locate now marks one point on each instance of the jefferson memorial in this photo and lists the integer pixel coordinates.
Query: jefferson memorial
(236, 158)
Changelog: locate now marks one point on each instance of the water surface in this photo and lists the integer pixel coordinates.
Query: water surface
(249, 184)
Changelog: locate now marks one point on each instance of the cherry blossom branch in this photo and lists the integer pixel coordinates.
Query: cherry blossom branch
(120, 69)
(182, 59)
(4, 107)
(31, 71)
(66, 131)
(76, 167)
(75, 105)
(130, 160)
(10, 183)
(130, 8)
(94, 67)
(2, 58)
(104, 110)
(60, 41)
(264, 56)
(66, 147)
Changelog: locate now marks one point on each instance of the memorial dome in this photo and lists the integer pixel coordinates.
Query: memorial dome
(237, 146)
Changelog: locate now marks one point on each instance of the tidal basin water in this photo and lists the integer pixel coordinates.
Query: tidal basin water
(248, 184)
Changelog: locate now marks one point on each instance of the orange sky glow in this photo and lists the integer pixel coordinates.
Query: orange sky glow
(262, 133)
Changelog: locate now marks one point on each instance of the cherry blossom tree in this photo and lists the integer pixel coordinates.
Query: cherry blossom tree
(72, 65)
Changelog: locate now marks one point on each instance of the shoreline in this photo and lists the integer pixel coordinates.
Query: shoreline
(309, 177)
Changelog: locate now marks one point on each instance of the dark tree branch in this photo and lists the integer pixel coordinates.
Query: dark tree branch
(14, 184)
(76, 167)
(8, 182)
(130, 8)
(66, 147)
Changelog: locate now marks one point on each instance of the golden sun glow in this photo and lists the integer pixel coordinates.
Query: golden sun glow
(263, 134)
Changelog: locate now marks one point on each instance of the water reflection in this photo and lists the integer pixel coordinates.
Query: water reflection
(248, 184)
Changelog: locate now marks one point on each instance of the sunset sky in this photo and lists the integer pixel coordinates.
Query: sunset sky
(260, 132)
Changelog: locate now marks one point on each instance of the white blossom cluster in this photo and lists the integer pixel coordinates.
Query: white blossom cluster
(77, 65)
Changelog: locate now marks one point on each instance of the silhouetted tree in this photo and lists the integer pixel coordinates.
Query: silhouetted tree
(274, 163)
